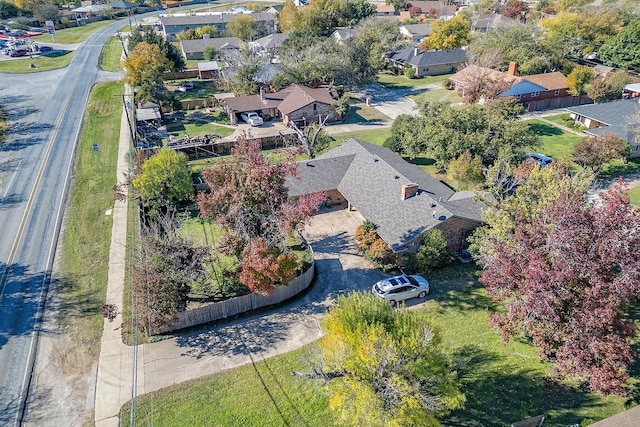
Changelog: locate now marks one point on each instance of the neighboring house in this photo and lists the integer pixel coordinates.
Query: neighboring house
(434, 9)
(343, 34)
(535, 92)
(429, 62)
(399, 198)
(385, 10)
(269, 44)
(194, 49)
(492, 21)
(415, 32)
(295, 103)
(631, 90)
(174, 24)
(621, 118)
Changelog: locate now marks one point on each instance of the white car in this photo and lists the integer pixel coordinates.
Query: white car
(400, 288)
(252, 118)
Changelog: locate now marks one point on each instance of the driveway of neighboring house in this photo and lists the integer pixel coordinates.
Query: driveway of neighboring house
(340, 269)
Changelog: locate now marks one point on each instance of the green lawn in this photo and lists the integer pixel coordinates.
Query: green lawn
(45, 62)
(72, 35)
(395, 82)
(444, 95)
(565, 120)
(86, 236)
(200, 122)
(374, 136)
(360, 112)
(3, 126)
(503, 383)
(555, 142)
(634, 195)
(111, 54)
(616, 168)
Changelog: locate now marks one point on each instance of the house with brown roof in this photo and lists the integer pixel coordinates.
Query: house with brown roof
(535, 92)
(385, 10)
(296, 103)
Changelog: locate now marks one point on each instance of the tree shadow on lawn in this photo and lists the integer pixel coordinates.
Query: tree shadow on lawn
(457, 287)
(506, 394)
(545, 129)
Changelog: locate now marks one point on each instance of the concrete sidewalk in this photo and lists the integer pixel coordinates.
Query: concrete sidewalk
(115, 365)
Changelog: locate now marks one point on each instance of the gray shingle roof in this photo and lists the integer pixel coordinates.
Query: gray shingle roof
(219, 43)
(611, 113)
(421, 58)
(201, 20)
(371, 178)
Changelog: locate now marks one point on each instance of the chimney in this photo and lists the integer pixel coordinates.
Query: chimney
(408, 190)
(261, 93)
(513, 68)
(416, 51)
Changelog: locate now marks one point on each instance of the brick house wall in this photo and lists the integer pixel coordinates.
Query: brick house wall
(311, 113)
(456, 230)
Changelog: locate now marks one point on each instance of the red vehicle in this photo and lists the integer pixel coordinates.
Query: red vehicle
(18, 52)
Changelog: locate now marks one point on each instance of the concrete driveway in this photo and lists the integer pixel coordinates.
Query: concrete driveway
(340, 269)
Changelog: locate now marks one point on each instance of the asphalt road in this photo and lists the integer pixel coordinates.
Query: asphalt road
(45, 112)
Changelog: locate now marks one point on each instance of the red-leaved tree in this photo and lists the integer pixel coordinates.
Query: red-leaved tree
(565, 278)
(595, 151)
(249, 199)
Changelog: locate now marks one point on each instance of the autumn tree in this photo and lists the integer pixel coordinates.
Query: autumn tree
(142, 61)
(579, 78)
(288, 16)
(383, 366)
(623, 50)
(378, 37)
(164, 182)
(564, 278)
(149, 35)
(595, 151)
(320, 17)
(242, 26)
(466, 169)
(248, 198)
(514, 8)
(162, 276)
(449, 34)
(608, 88)
(246, 65)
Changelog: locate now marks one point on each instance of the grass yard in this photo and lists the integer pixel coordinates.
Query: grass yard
(111, 54)
(393, 81)
(72, 35)
(86, 234)
(555, 142)
(45, 62)
(616, 168)
(565, 120)
(374, 136)
(634, 195)
(360, 112)
(444, 95)
(503, 383)
(200, 123)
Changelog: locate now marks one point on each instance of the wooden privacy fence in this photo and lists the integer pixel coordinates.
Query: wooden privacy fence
(238, 305)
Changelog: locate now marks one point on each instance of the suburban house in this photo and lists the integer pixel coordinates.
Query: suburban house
(385, 10)
(621, 118)
(399, 198)
(415, 32)
(632, 90)
(343, 34)
(172, 25)
(492, 21)
(194, 49)
(296, 103)
(270, 44)
(535, 92)
(429, 62)
(208, 70)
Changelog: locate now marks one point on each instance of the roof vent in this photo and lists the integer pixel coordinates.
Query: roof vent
(375, 160)
(433, 204)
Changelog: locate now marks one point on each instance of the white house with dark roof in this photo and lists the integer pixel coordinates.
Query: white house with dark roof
(399, 198)
(429, 62)
(620, 118)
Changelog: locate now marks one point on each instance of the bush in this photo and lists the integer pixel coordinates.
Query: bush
(433, 251)
(409, 72)
(366, 235)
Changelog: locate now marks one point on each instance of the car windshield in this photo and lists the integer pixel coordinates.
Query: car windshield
(413, 281)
